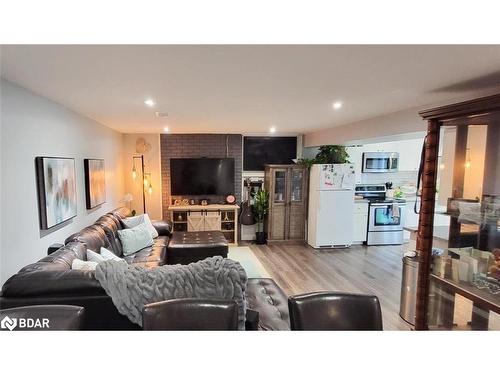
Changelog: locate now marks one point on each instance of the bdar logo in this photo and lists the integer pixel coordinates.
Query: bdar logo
(8, 323)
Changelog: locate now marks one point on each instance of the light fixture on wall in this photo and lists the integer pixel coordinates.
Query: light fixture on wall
(134, 176)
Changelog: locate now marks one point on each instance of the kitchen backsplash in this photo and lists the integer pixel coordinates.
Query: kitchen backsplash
(397, 178)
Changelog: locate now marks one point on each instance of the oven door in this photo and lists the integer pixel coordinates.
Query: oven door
(379, 162)
(383, 219)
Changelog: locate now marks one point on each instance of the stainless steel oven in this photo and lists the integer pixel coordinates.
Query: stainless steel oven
(378, 162)
(386, 221)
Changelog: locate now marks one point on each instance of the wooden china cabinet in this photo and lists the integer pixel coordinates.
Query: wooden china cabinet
(287, 187)
(460, 187)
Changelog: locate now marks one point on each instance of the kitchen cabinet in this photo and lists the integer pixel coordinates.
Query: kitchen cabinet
(360, 221)
(287, 187)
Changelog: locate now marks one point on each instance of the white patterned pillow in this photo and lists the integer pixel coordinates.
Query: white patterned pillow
(82, 265)
(132, 222)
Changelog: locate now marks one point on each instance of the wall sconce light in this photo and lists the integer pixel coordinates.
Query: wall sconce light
(134, 172)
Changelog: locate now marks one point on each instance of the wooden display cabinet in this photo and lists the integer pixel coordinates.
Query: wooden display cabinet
(287, 187)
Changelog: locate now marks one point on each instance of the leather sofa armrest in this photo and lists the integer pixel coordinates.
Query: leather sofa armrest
(52, 281)
(54, 247)
(163, 227)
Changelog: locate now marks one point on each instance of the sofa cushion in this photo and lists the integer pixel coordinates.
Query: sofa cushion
(93, 236)
(153, 255)
(111, 225)
(60, 259)
(266, 297)
(121, 212)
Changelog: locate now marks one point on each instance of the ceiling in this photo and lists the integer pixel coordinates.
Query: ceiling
(248, 89)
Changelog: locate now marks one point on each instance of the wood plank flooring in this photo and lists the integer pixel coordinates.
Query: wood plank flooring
(374, 270)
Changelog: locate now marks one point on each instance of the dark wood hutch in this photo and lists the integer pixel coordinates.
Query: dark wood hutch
(485, 112)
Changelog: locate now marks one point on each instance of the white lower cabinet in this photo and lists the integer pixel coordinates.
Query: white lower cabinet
(360, 221)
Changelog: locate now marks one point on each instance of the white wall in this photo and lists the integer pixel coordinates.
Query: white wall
(32, 126)
(152, 160)
(398, 123)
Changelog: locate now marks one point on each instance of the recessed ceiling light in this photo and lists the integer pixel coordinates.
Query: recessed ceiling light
(149, 102)
(337, 105)
(165, 129)
(272, 129)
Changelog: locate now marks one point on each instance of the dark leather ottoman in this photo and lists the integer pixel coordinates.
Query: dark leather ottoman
(190, 247)
(266, 297)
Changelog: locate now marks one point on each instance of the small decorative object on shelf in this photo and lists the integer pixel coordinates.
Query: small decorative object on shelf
(491, 284)
(204, 202)
(230, 199)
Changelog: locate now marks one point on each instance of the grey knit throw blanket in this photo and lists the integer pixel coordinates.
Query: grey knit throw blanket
(131, 286)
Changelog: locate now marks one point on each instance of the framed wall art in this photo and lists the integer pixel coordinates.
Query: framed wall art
(56, 183)
(95, 182)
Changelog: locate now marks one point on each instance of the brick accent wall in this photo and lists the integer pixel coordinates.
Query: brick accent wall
(198, 146)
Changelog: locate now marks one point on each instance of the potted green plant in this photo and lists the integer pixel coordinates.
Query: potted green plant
(260, 207)
(328, 154)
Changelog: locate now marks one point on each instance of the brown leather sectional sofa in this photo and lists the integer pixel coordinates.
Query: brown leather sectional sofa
(52, 281)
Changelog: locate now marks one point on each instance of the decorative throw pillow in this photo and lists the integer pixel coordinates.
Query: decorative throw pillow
(82, 265)
(109, 255)
(135, 239)
(92, 256)
(103, 256)
(132, 222)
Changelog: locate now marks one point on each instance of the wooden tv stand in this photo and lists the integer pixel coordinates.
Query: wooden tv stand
(221, 217)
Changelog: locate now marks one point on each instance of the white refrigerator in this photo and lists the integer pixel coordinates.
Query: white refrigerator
(331, 205)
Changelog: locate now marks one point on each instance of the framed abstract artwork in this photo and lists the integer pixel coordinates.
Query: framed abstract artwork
(56, 183)
(95, 182)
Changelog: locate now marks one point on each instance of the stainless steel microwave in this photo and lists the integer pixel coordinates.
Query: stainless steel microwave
(378, 162)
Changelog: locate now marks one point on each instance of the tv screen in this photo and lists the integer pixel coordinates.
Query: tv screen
(258, 151)
(202, 176)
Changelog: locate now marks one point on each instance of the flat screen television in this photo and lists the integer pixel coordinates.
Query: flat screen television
(258, 151)
(202, 176)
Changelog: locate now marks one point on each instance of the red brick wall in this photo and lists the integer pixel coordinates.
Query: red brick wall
(197, 146)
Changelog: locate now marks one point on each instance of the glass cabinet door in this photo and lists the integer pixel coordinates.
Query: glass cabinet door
(279, 186)
(297, 185)
(465, 275)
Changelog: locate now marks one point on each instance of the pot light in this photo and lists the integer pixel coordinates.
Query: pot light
(149, 102)
(272, 129)
(337, 105)
(166, 129)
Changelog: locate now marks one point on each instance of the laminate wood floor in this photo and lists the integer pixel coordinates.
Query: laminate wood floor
(374, 270)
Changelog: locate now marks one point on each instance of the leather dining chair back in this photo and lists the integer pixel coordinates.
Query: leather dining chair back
(190, 314)
(335, 311)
